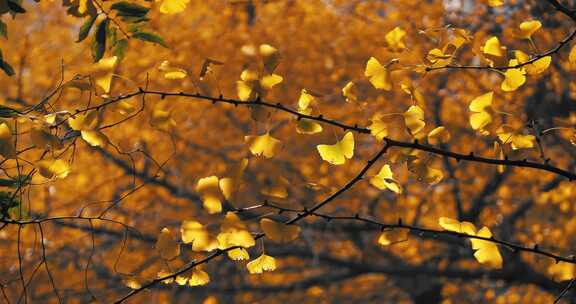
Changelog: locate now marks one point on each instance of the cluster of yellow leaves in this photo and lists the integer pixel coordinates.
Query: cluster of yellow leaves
(485, 252)
(87, 123)
(254, 85)
(307, 126)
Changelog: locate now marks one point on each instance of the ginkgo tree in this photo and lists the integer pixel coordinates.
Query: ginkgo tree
(271, 151)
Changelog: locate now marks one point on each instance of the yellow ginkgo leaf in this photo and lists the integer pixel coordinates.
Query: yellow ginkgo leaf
(350, 92)
(132, 282)
(562, 271)
(492, 47)
(261, 264)
(438, 58)
(209, 189)
(457, 226)
(495, 3)
(232, 223)
(528, 28)
(480, 117)
(53, 168)
(7, 144)
(279, 232)
(84, 121)
(198, 278)
(572, 55)
(414, 119)
(337, 153)
(276, 186)
(305, 100)
(166, 246)
(162, 274)
(172, 6)
(263, 145)
(103, 71)
(393, 236)
(378, 75)
(385, 180)
(241, 238)
(238, 254)
(43, 139)
(195, 233)
(270, 57)
(517, 141)
(307, 126)
(95, 138)
(395, 39)
(537, 66)
(171, 72)
(486, 252)
(377, 127)
(269, 81)
(514, 78)
(438, 135)
(230, 184)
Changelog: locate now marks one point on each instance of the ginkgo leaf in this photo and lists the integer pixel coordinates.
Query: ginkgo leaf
(438, 58)
(276, 186)
(495, 3)
(528, 28)
(42, 138)
(395, 39)
(307, 126)
(425, 173)
(350, 92)
(393, 236)
(171, 72)
(377, 127)
(7, 143)
(194, 232)
(172, 6)
(517, 141)
(241, 238)
(537, 66)
(238, 254)
(514, 78)
(230, 184)
(562, 271)
(269, 81)
(438, 135)
(337, 153)
(572, 55)
(166, 246)
(208, 188)
(261, 264)
(305, 100)
(103, 71)
(263, 145)
(457, 226)
(486, 252)
(132, 282)
(414, 119)
(492, 47)
(232, 222)
(385, 180)
(84, 121)
(95, 138)
(198, 278)
(378, 75)
(478, 106)
(270, 57)
(53, 168)
(162, 274)
(279, 232)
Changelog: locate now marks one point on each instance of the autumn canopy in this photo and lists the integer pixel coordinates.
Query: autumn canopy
(285, 151)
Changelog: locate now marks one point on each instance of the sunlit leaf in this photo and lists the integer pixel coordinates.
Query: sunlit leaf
(350, 92)
(480, 117)
(438, 135)
(263, 145)
(528, 28)
(198, 278)
(103, 71)
(53, 168)
(208, 188)
(166, 246)
(337, 153)
(377, 127)
(486, 252)
(172, 6)
(261, 264)
(385, 180)
(393, 236)
(171, 72)
(395, 39)
(195, 233)
(378, 75)
(279, 232)
(414, 119)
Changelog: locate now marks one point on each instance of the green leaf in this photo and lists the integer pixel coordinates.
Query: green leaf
(120, 48)
(99, 43)
(127, 9)
(85, 28)
(150, 37)
(3, 29)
